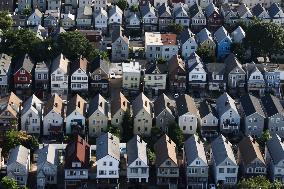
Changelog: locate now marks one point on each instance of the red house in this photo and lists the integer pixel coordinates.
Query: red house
(23, 73)
(214, 18)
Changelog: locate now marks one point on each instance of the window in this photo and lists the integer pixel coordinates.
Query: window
(39, 76)
(22, 72)
(221, 170)
(110, 163)
(231, 170)
(104, 163)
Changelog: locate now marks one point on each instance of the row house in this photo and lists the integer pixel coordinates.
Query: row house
(165, 18)
(100, 4)
(41, 5)
(35, 18)
(209, 120)
(67, 20)
(115, 16)
(100, 20)
(238, 35)
(42, 79)
(244, 14)
(181, 15)
(133, 23)
(131, 77)
(265, 3)
(214, 18)
(177, 74)
(216, 76)
(79, 76)
(155, 78)
(187, 42)
(196, 72)
(120, 106)
(197, 16)
(40, 32)
(229, 15)
(120, 46)
(51, 18)
(84, 17)
(260, 12)
(223, 42)
(54, 4)
(149, 18)
(99, 75)
(205, 40)
(5, 72)
(276, 14)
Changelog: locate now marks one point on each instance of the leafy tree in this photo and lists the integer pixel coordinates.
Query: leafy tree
(161, 61)
(258, 182)
(27, 11)
(122, 4)
(240, 50)
(8, 183)
(6, 20)
(176, 28)
(114, 130)
(127, 127)
(73, 44)
(205, 54)
(151, 155)
(134, 8)
(176, 134)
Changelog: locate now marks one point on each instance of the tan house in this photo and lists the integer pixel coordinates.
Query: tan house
(205, 40)
(119, 105)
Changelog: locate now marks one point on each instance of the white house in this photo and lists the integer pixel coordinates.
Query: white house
(187, 114)
(131, 73)
(137, 161)
(107, 157)
(54, 4)
(67, 20)
(188, 44)
(98, 4)
(115, 15)
(79, 75)
(181, 16)
(35, 18)
(155, 78)
(31, 115)
(196, 72)
(18, 164)
(100, 19)
(84, 16)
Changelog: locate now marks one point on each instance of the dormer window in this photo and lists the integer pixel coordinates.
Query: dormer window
(22, 71)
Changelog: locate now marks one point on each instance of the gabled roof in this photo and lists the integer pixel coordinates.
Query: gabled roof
(136, 148)
(118, 33)
(224, 103)
(179, 10)
(242, 10)
(47, 154)
(76, 103)
(81, 63)
(32, 103)
(145, 9)
(155, 68)
(77, 151)
(253, 67)
(12, 103)
(185, 35)
(251, 105)
(24, 62)
(204, 35)
(250, 150)
(194, 148)
(176, 62)
(113, 10)
(222, 149)
(141, 102)
(217, 68)
(99, 12)
(165, 149)
(60, 62)
(274, 9)
(231, 63)
(206, 108)
(119, 102)
(107, 144)
(221, 34)
(19, 154)
(163, 102)
(98, 103)
(5, 62)
(164, 8)
(99, 63)
(210, 9)
(238, 31)
(272, 105)
(194, 10)
(257, 10)
(276, 149)
(185, 104)
(55, 103)
(85, 12)
(37, 13)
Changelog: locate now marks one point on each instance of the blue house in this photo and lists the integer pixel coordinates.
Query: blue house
(223, 42)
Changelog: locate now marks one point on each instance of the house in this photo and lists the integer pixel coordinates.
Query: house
(5, 72)
(265, 3)
(100, 19)
(155, 78)
(181, 15)
(274, 113)
(47, 166)
(51, 18)
(251, 160)
(42, 80)
(79, 76)
(59, 72)
(238, 35)
(18, 165)
(39, 4)
(98, 4)
(158, 3)
(205, 40)
(35, 18)
(40, 32)
(255, 78)
(67, 21)
(188, 115)
(274, 157)
(132, 2)
(7, 5)
(244, 13)
(165, 18)
(107, 157)
(216, 76)
(119, 107)
(167, 168)
(160, 46)
(196, 72)
(53, 116)
(260, 12)
(133, 22)
(54, 4)
(85, 3)
(24, 4)
(272, 77)
(188, 44)
(137, 161)
(84, 17)
(99, 75)
(197, 18)
(23, 73)
(213, 16)
(131, 73)
(234, 73)
(119, 46)
(19, 20)
(70, 6)
(76, 115)
(98, 115)
(225, 168)
(77, 163)
(229, 117)
(229, 14)
(142, 115)
(115, 15)
(209, 121)
(164, 112)
(276, 14)
(196, 163)
(254, 116)
(177, 74)
(10, 107)
(31, 115)
(224, 42)
(149, 18)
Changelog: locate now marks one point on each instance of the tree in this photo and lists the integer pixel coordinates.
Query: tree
(239, 50)
(8, 183)
(258, 182)
(175, 133)
(161, 61)
(134, 8)
(151, 155)
(114, 130)
(6, 20)
(205, 54)
(127, 127)
(27, 11)
(122, 4)
(267, 41)
(176, 28)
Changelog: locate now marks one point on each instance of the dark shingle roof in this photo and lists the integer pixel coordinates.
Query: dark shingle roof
(185, 103)
(26, 63)
(205, 108)
(136, 148)
(99, 63)
(257, 10)
(272, 105)
(107, 144)
(273, 10)
(185, 35)
(163, 102)
(194, 10)
(251, 105)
